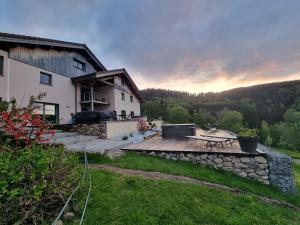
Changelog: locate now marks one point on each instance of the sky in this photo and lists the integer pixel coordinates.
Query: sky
(187, 45)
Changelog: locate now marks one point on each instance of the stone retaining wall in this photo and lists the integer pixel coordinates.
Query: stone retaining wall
(268, 167)
(252, 167)
(280, 170)
(95, 129)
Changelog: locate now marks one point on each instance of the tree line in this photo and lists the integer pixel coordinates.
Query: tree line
(273, 109)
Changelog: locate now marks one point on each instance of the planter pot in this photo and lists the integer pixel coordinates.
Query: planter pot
(248, 144)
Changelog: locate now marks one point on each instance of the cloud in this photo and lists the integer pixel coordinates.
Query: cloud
(206, 45)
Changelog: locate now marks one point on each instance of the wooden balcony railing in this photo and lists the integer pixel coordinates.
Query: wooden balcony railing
(97, 97)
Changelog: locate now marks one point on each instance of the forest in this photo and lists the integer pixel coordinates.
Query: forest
(272, 108)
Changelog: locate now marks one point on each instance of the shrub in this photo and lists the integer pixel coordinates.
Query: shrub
(178, 114)
(22, 124)
(34, 183)
(248, 133)
(231, 120)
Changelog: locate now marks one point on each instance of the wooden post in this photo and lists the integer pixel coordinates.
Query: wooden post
(92, 98)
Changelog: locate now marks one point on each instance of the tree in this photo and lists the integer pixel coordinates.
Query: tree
(178, 114)
(231, 120)
(204, 119)
(153, 109)
(265, 133)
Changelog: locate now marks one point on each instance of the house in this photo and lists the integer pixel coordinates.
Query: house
(69, 76)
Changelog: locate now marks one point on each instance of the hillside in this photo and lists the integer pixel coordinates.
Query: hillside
(259, 102)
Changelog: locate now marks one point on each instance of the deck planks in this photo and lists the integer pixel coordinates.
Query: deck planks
(157, 143)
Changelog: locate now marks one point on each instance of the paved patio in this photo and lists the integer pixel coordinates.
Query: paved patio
(78, 143)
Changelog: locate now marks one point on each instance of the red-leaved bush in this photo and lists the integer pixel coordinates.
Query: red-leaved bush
(22, 124)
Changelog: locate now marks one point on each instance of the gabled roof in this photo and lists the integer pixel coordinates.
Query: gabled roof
(117, 72)
(10, 40)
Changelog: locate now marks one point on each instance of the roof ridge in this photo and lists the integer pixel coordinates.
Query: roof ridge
(13, 35)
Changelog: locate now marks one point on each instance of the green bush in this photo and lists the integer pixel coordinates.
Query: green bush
(231, 120)
(35, 182)
(178, 114)
(248, 133)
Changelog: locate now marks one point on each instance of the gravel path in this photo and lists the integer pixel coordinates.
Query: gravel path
(183, 179)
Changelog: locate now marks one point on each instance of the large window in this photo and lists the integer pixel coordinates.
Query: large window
(79, 65)
(45, 78)
(1, 65)
(49, 112)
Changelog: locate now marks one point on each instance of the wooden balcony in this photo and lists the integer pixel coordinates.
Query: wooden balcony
(96, 98)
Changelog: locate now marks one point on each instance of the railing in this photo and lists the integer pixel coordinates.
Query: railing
(97, 97)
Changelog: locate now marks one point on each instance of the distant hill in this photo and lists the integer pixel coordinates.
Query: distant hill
(265, 101)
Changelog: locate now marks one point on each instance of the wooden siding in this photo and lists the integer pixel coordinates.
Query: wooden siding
(60, 62)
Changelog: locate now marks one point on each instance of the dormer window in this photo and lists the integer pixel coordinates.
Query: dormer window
(79, 64)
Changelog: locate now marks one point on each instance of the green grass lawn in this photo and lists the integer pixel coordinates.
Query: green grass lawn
(294, 154)
(116, 199)
(151, 163)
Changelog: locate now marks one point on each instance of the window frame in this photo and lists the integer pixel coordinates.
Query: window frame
(76, 62)
(2, 66)
(50, 80)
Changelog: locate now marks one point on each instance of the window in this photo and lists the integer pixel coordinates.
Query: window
(123, 96)
(49, 112)
(45, 78)
(132, 114)
(131, 98)
(122, 82)
(79, 65)
(1, 65)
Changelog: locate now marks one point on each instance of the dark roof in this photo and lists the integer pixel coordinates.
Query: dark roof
(8, 40)
(117, 72)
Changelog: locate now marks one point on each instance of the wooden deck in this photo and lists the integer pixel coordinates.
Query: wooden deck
(157, 143)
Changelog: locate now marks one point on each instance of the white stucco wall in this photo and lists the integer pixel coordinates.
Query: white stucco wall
(25, 82)
(126, 104)
(120, 128)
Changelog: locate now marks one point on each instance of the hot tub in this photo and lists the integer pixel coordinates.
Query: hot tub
(178, 130)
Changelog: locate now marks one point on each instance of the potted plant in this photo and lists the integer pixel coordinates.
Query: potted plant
(248, 140)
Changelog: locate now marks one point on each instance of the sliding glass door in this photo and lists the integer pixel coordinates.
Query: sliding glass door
(48, 111)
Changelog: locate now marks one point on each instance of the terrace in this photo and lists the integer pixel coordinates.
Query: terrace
(159, 144)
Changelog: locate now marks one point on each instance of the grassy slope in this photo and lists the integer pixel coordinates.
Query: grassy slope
(152, 163)
(117, 199)
(291, 153)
